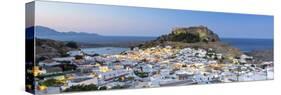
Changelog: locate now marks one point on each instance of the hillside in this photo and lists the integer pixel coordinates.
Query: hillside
(262, 55)
(196, 37)
(190, 35)
(50, 48)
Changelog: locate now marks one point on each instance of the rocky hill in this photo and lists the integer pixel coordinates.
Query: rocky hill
(196, 36)
(190, 35)
(50, 48)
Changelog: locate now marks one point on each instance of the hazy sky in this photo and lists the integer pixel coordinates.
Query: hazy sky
(134, 21)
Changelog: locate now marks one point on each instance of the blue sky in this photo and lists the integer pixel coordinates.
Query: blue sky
(135, 21)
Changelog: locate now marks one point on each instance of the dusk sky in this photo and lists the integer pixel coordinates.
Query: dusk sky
(134, 21)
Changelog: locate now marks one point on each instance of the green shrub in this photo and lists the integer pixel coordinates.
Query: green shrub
(72, 44)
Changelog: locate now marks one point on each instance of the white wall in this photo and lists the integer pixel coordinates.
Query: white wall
(12, 46)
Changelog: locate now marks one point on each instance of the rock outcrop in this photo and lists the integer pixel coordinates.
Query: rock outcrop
(190, 35)
(50, 48)
(195, 37)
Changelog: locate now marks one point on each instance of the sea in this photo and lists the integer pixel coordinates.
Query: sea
(245, 45)
(104, 50)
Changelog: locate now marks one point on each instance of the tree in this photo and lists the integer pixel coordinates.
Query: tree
(42, 58)
(72, 45)
(67, 67)
(52, 82)
(103, 88)
(239, 69)
(64, 54)
(82, 88)
(78, 57)
(141, 74)
(118, 87)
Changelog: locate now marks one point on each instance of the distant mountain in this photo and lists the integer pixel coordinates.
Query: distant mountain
(42, 31)
(92, 38)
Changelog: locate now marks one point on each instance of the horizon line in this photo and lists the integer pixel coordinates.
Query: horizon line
(138, 35)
